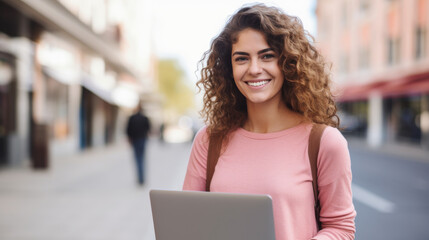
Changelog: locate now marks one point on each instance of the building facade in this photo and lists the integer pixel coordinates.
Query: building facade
(70, 74)
(379, 51)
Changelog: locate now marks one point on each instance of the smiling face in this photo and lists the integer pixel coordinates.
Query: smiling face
(255, 68)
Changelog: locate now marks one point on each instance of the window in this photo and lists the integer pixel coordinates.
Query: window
(364, 46)
(421, 29)
(364, 8)
(393, 45)
(58, 105)
(420, 43)
(393, 33)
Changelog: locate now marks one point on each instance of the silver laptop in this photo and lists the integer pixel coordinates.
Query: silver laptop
(190, 215)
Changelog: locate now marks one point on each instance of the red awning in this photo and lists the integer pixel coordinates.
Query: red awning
(358, 92)
(408, 85)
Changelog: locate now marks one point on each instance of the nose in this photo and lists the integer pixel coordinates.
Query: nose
(255, 67)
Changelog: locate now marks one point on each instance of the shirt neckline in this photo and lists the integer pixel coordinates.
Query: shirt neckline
(271, 135)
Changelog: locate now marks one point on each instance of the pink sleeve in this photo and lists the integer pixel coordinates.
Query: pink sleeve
(195, 178)
(334, 175)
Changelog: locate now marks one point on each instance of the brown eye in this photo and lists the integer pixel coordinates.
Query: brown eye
(240, 59)
(268, 56)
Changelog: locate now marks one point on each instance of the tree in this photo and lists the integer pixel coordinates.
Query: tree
(179, 96)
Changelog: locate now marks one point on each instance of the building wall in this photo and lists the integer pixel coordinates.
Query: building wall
(344, 29)
(373, 47)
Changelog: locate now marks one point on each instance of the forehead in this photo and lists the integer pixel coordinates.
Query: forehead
(250, 39)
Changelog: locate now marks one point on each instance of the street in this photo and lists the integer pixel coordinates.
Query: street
(391, 193)
(95, 196)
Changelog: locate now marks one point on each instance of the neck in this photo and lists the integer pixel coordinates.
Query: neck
(266, 118)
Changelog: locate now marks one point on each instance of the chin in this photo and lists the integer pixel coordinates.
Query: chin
(258, 100)
(263, 99)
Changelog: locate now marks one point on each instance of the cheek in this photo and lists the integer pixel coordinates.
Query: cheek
(234, 70)
(275, 69)
(277, 72)
(237, 73)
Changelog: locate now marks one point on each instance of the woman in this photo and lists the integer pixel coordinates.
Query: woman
(265, 85)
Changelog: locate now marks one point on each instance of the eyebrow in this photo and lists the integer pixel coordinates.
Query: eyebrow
(259, 52)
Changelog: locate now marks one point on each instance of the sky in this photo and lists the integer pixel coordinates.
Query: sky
(183, 30)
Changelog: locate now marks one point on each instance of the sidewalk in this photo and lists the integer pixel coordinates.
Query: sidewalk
(407, 151)
(91, 195)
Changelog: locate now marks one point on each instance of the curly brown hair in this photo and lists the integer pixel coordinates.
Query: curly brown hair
(306, 87)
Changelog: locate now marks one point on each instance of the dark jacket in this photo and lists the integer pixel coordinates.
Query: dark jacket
(138, 126)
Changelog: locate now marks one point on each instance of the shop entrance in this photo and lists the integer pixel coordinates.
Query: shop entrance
(7, 104)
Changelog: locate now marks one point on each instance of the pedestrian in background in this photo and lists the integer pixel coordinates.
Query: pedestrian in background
(161, 132)
(137, 131)
(266, 86)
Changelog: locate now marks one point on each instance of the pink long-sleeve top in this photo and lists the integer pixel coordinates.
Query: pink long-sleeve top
(277, 164)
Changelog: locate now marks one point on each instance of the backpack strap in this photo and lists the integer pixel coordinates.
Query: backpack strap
(313, 153)
(215, 144)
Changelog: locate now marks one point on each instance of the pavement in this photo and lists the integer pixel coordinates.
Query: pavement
(94, 194)
(409, 151)
(90, 195)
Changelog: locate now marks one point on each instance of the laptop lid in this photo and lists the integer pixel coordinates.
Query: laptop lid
(191, 215)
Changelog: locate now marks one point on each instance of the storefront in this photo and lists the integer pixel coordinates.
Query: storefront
(15, 99)
(100, 115)
(8, 88)
(97, 119)
(401, 106)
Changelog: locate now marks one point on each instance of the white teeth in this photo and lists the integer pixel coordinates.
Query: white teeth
(257, 84)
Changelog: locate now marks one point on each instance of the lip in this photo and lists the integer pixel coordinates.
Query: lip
(257, 80)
